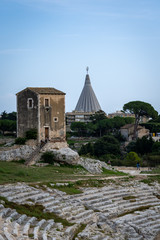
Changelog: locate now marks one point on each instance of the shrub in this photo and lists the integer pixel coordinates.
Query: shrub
(131, 159)
(48, 157)
(20, 141)
(106, 145)
(87, 149)
(31, 134)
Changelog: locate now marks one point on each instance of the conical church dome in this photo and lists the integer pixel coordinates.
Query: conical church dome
(87, 101)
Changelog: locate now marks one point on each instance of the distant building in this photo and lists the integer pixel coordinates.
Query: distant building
(123, 114)
(127, 131)
(120, 114)
(86, 106)
(42, 109)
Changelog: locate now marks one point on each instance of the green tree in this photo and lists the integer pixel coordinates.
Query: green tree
(131, 159)
(156, 147)
(4, 115)
(106, 145)
(99, 115)
(144, 145)
(140, 109)
(87, 149)
(12, 116)
(7, 125)
(79, 127)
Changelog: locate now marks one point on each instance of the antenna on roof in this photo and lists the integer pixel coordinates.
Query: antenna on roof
(87, 68)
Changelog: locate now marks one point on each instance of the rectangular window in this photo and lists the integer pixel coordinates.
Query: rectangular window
(46, 102)
(30, 103)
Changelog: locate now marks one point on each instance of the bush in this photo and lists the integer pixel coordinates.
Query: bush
(112, 158)
(106, 145)
(131, 159)
(20, 141)
(87, 149)
(31, 134)
(48, 157)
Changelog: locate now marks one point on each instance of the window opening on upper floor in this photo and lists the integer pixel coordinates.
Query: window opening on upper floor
(30, 103)
(46, 102)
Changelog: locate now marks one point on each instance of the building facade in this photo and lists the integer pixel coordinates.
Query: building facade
(42, 109)
(127, 131)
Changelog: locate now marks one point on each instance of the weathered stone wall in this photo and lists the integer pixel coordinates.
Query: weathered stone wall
(52, 116)
(27, 118)
(17, 153)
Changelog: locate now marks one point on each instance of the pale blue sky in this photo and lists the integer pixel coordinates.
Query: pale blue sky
(49, 43)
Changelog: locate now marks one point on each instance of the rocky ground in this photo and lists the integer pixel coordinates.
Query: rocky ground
(124, 209)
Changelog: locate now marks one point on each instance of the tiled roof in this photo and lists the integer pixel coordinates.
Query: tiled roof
(44, 90)
(127, 126)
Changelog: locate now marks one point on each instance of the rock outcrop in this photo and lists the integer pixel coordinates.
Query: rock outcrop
(22, 152)
(66, 155)
(93, 166)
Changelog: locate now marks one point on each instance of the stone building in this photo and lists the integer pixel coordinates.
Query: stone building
(143, 119)
(42, 109)
(127, 131)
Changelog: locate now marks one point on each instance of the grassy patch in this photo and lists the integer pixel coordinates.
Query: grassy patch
(129, 197)
(80, 229)
(17, 172)
(70, 189)
(142, 208)
(151, 179)
(34, 211)
(113, 172)
(75, 187)
(153, 171)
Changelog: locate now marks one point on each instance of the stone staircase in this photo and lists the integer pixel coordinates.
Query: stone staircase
(35, 155)
(16, 226)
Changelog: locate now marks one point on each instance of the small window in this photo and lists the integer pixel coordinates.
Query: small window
(55, 119)
(46, 102)
(30, 103)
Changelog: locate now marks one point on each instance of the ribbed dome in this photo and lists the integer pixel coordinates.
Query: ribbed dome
(87, 101)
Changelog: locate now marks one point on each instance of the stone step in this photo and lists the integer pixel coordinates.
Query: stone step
(80, 215)
(21, 219)
(146, 219)
(22, 195)
(151, 223)
(7, 234)
(29, 221)
(54, 203)
(45, 199)
(140, 204)
(2, 238)
(19, 191)
(33, 197)
(16, 227)
(4, 212)
(1, 206)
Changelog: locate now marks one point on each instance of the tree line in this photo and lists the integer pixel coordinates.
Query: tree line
(8, 122)
(109, 145)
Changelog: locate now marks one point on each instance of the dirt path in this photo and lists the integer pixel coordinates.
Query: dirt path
(133, 171)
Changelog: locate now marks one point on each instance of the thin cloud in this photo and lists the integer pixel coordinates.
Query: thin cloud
(14, 51)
